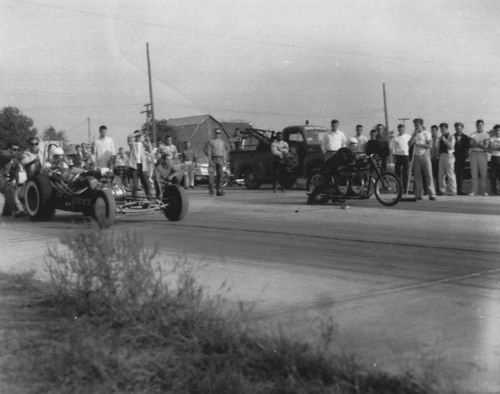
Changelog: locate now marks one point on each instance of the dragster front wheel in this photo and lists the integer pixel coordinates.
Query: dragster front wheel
(176, 203)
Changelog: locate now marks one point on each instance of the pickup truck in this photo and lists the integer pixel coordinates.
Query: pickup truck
(252, 160)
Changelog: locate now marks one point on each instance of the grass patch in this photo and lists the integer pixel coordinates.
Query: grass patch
(129, 323)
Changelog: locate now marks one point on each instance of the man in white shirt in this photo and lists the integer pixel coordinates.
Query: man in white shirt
(279, 149)
(400, 151)
(104, 149)
(169, 149)
(333, 140)
(494, 148)
(362, 140)
(422, 167)
(138, 158)
(446, 173)
(479, 159)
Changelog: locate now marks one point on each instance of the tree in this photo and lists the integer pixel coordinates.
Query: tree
(51, 134)
(15, 127)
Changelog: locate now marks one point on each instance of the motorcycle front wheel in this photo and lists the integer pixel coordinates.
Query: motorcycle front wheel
(388, 189)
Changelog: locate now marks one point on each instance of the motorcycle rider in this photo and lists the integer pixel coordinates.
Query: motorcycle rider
(279, 149)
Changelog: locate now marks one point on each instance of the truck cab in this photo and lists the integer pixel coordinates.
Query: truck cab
(305, 141)
(252, 160)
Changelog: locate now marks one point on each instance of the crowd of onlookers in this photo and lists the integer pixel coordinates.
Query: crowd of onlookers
(437, 158)
(141, 163)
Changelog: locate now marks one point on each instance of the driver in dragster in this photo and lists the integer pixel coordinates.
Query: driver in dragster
(71, 179)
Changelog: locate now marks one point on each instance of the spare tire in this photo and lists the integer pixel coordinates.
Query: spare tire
(39, 198)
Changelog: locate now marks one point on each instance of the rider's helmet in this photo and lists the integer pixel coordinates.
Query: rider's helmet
(56, 152)
(56, 155)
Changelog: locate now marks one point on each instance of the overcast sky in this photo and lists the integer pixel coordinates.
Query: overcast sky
(271, 62)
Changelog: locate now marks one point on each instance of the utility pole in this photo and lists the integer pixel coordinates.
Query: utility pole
(147, 111)
(151, 104)
(385, 111)
(88, 130)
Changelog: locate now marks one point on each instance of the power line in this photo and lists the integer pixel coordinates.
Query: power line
(55, 107)
(178, 29)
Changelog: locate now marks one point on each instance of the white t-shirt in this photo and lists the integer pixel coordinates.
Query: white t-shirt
(278, 148)
(361, 145)
(137, 154)
(333, 141)
(104, 151)
(480, 138)
(400, 145)
(422, 138)
(170, 151)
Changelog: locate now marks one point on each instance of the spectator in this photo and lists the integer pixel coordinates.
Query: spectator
(165, 173)
(148, 166)
(447, 180)
(104, 149)
(170, 150)
(462, 144)
(12, 175)
(216, 151)
(279, 149)
(189, 161)
(78, 159)
(494, 148)
(435, 156)
(422, 167)
(31, 159)
(479, 159)
(380, 131)
(121, 166)
(400, 150)
(88, 162)
(333, 140)
(362, 140)
(5, 158)
(138, 158)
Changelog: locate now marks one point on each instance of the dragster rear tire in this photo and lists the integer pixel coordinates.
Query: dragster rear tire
(38, 198)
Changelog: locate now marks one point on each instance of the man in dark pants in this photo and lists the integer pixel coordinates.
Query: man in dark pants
(462, 144)
(494, 148)
(216, 151)
(400, 151)
(6, 158)
(137, 159)
(435, 157)
(279, 149)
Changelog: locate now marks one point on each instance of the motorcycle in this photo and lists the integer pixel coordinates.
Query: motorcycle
(347, 176)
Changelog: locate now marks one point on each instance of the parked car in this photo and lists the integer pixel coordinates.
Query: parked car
(252, 161)
(201, 174)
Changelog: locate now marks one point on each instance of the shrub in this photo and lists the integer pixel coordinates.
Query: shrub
(129, 323)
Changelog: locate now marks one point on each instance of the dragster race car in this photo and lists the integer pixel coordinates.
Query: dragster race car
(95, 194)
